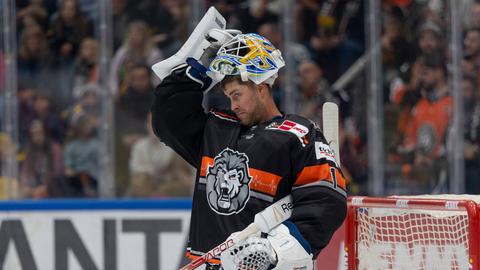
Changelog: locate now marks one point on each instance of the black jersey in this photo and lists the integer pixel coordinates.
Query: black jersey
(242, 170)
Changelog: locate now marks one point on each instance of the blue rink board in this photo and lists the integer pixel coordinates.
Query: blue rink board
(95, 204)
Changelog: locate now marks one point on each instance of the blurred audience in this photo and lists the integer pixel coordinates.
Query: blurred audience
(34, 13)
(471, 99)
(68, 28)
(130, 113)
(34, 58)
(323, 27)
(86, 103)
(58, 72)
(424, 144)
(8, 151)
(137, 49)
(42, 168)
(85, 68)
(471, 61)
(138, 96)
(156, 170)
(81, 158)
(315, 91)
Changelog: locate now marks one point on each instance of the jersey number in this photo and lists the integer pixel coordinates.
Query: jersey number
(334, 177)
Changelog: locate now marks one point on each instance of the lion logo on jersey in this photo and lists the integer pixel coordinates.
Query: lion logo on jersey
(228, 182)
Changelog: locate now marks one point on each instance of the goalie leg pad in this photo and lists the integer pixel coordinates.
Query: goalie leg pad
(290, 253)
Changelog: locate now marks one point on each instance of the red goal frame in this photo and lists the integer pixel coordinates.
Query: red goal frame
(448, 204)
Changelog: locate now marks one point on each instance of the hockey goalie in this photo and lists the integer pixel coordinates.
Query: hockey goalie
(247, 158)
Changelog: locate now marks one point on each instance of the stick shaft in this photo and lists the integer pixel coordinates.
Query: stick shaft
(330, 127)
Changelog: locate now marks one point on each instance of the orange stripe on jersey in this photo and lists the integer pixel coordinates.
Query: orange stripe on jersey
(317, 173)
(264, 181)
(261, 180)
(206, 162)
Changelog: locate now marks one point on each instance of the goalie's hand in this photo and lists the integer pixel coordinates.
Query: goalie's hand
(282, 249)
(197, 69)
(217, 38)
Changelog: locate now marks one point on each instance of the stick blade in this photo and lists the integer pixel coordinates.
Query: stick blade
(330, 127)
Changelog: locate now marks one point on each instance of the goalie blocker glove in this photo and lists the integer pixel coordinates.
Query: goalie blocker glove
(284, 248)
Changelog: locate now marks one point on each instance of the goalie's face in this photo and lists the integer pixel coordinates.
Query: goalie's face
(247, 101)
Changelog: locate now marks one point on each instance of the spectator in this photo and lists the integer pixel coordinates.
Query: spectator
(130, 114)
(474, 15)
(137, 99)
(32, 14)
(329, 44)
(138, 49)
(8, 149)
(163, 27)
(430, 39)
(87, 103)
(81, 158)
(68, 28)
(43, 165)
(315, 91)
(156, 170)
(120, 22)
(255, 13)
(85, 68)
(33, 58)
(471, 99)
(44, 111)
(425, 137)
(471, 61)
(180, 27)
(396, 49)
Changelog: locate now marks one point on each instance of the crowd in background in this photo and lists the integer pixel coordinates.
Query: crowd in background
(59, 94)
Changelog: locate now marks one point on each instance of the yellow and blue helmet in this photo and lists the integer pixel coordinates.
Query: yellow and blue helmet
(250, 56)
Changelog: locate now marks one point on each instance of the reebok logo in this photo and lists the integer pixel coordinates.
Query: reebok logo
(287, 207)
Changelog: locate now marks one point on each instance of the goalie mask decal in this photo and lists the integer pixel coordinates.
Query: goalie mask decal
(228, 182)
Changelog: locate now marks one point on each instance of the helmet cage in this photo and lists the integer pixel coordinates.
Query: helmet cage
(251, 56)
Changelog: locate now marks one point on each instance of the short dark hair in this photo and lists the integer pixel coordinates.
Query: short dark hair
(235, 78)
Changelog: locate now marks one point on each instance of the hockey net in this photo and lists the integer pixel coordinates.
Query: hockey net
(407, 233)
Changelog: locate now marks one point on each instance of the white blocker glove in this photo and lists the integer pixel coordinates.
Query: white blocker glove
(202, 45)
(197, 69)
(280, 250)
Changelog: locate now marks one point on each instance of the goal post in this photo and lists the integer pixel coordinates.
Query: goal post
(413, 232)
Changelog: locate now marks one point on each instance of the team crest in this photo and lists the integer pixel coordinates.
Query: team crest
(228, 182)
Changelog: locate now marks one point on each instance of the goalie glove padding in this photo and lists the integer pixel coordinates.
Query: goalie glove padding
(288, 253)
(253, 253)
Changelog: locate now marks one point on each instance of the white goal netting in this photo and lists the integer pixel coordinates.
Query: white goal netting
(407, 238)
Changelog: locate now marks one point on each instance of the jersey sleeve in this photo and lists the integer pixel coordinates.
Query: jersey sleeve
(318, 191)
(178, 117)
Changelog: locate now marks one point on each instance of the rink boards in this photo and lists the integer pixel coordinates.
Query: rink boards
(93, 234)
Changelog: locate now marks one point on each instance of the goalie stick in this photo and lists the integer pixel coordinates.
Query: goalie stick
(264, 221)
(330, 128)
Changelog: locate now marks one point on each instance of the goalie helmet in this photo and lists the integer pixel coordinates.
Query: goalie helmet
(250, 56)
